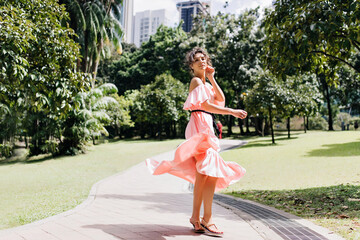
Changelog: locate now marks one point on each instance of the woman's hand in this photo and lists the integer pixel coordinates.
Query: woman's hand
(239, 113)
(209, 72)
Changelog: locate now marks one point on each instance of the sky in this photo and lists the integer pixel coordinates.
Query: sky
(235, 6)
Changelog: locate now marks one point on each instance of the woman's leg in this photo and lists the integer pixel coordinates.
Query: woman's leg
(208, 195)
(198, 195)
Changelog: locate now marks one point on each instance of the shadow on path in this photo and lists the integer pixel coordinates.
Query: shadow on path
(148, 231)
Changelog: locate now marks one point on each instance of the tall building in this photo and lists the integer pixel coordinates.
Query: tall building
(146, 24)
(127, 11)
(189, 9)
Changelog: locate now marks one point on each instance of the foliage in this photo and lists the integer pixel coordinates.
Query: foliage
(317, 123)
(120, 115)
(162, 53)
(6, 150)
(302, 35)
(97, 25)
(158, 106)
(342, 118)
(347, 91)
(271, 96)
(38, 77)
(90, 120)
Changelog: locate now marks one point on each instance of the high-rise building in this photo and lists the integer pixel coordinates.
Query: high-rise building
(146, 24)
(189, 9)
(127, 12)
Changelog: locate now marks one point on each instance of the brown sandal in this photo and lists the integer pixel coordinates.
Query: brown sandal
(197, 226)
(208, 231)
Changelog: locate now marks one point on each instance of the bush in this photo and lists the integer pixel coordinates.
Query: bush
(342, 118)
(51, 147)
(317, 123)
(6, 150)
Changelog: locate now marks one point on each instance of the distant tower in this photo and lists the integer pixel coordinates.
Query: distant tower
(189, 9)
(127, 12)
(146, 24)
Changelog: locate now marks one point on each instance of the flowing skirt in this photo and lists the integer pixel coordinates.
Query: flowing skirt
(199, 153)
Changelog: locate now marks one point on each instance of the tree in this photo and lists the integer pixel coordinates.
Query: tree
(302, 98)
(347, 91)
(97, 24)
(89, 120)
(163, 52)
(303, 34)
(313, 36)
(158, 106)
(38, 77)
(119, 115)
(272, 97)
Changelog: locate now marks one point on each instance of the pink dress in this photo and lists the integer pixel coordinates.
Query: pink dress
(200, 151)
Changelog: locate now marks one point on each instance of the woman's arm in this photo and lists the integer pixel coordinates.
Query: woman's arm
(219, 95)
(213, 108)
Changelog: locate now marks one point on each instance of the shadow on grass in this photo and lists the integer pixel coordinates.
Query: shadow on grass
(40, 158)
(336, 150)
(267, 142)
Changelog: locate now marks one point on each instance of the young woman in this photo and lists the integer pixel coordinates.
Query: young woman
(197, 160)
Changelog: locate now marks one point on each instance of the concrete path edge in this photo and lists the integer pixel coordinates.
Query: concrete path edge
(267, 232)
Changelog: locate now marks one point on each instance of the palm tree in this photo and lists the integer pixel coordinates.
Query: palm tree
(98, 28)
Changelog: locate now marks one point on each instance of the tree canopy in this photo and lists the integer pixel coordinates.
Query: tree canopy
(304, 34)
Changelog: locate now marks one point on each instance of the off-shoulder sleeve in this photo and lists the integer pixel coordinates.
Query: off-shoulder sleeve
(196, 97)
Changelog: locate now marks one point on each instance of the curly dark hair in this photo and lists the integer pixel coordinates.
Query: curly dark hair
(190, 57)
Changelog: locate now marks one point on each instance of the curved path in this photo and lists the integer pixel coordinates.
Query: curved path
(136, 205)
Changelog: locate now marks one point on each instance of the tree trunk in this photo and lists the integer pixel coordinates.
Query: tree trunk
(247, 125)
(267, 129)
(288, 126)
(329, 108)
(229, 125)
(271, 126)
(174, 130)
(241, 123)
(84, 61)
(97, 59)
(305, 124)
(26, 141)
(259, 127)
(327, 97)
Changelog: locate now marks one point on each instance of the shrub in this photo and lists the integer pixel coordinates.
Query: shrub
(6, 150)
(317, 123)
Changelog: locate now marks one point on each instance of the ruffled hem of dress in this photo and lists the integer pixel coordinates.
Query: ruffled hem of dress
(199, 153)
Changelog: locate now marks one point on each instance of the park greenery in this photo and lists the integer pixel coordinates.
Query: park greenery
(67, 80)
(312, 175)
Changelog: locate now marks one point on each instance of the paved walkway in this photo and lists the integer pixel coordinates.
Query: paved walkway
(137, 205)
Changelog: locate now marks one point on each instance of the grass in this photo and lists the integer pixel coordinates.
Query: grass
(311, 175)
(34, 190)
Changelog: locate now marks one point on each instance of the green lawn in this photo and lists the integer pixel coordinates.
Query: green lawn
(298, 174)
(314, 175)
(30, 191)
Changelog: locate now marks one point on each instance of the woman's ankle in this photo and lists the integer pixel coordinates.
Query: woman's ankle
(206, 218)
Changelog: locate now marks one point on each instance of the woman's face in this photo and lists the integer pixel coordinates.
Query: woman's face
(199, 63)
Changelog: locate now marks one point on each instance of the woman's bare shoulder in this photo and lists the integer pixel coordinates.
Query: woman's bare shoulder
(195, 82)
